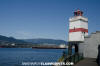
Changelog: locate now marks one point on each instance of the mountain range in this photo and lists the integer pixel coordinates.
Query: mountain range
(45, 41)
(4, 39)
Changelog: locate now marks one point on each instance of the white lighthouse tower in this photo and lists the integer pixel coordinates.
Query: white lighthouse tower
(78, 27)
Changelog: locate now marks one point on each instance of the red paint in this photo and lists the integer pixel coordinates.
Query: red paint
(78, 30)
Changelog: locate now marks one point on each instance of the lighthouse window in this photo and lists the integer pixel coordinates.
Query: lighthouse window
(74, 28)
(83, 32)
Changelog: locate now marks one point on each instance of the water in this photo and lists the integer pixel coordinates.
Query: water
(15, 56)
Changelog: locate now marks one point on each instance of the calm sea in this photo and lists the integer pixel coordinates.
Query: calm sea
(15, 56)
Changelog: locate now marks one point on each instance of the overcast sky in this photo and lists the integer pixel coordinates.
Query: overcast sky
(24, 19)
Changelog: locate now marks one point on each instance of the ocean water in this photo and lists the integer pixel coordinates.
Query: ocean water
(15, 56)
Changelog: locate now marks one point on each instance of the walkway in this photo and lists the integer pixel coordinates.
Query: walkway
(87, 62)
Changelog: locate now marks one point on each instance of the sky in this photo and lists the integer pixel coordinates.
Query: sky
(27, 19)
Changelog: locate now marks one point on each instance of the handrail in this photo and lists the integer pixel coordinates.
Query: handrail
(71, 58)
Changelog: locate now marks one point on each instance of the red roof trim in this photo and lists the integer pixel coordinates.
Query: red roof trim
(78, 30)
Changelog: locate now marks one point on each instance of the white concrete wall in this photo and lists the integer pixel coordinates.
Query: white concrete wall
(76, 36)
(75, 24)
(84, 24)
(78, 24)
(77, 18)
(90, 46)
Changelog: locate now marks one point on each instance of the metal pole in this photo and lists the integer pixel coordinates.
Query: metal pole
(69, 48)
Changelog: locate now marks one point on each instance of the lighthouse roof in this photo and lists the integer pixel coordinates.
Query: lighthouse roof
(72, 19)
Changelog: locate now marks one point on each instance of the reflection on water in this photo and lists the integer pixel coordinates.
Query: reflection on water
(15, 56)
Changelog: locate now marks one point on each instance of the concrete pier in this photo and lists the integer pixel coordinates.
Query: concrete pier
(87, 62)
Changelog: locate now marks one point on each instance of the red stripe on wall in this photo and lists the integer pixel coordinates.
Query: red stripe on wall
(78, 30)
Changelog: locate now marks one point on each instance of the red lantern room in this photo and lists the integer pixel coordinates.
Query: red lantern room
(78, 13)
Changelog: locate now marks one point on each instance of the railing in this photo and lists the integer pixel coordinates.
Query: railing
(71, 58)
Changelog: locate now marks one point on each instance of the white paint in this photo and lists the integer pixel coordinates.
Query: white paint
(84, 24)
(75, 18)
(75, 24)
(78, 24)
(76, 36)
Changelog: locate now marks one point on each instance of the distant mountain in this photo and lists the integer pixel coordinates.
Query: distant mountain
(4, 39)
(45, 41)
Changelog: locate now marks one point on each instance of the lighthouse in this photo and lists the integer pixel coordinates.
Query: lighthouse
(78, 27)
(78, 30)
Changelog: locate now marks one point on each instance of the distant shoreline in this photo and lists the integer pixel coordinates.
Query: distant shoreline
(37, 47)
